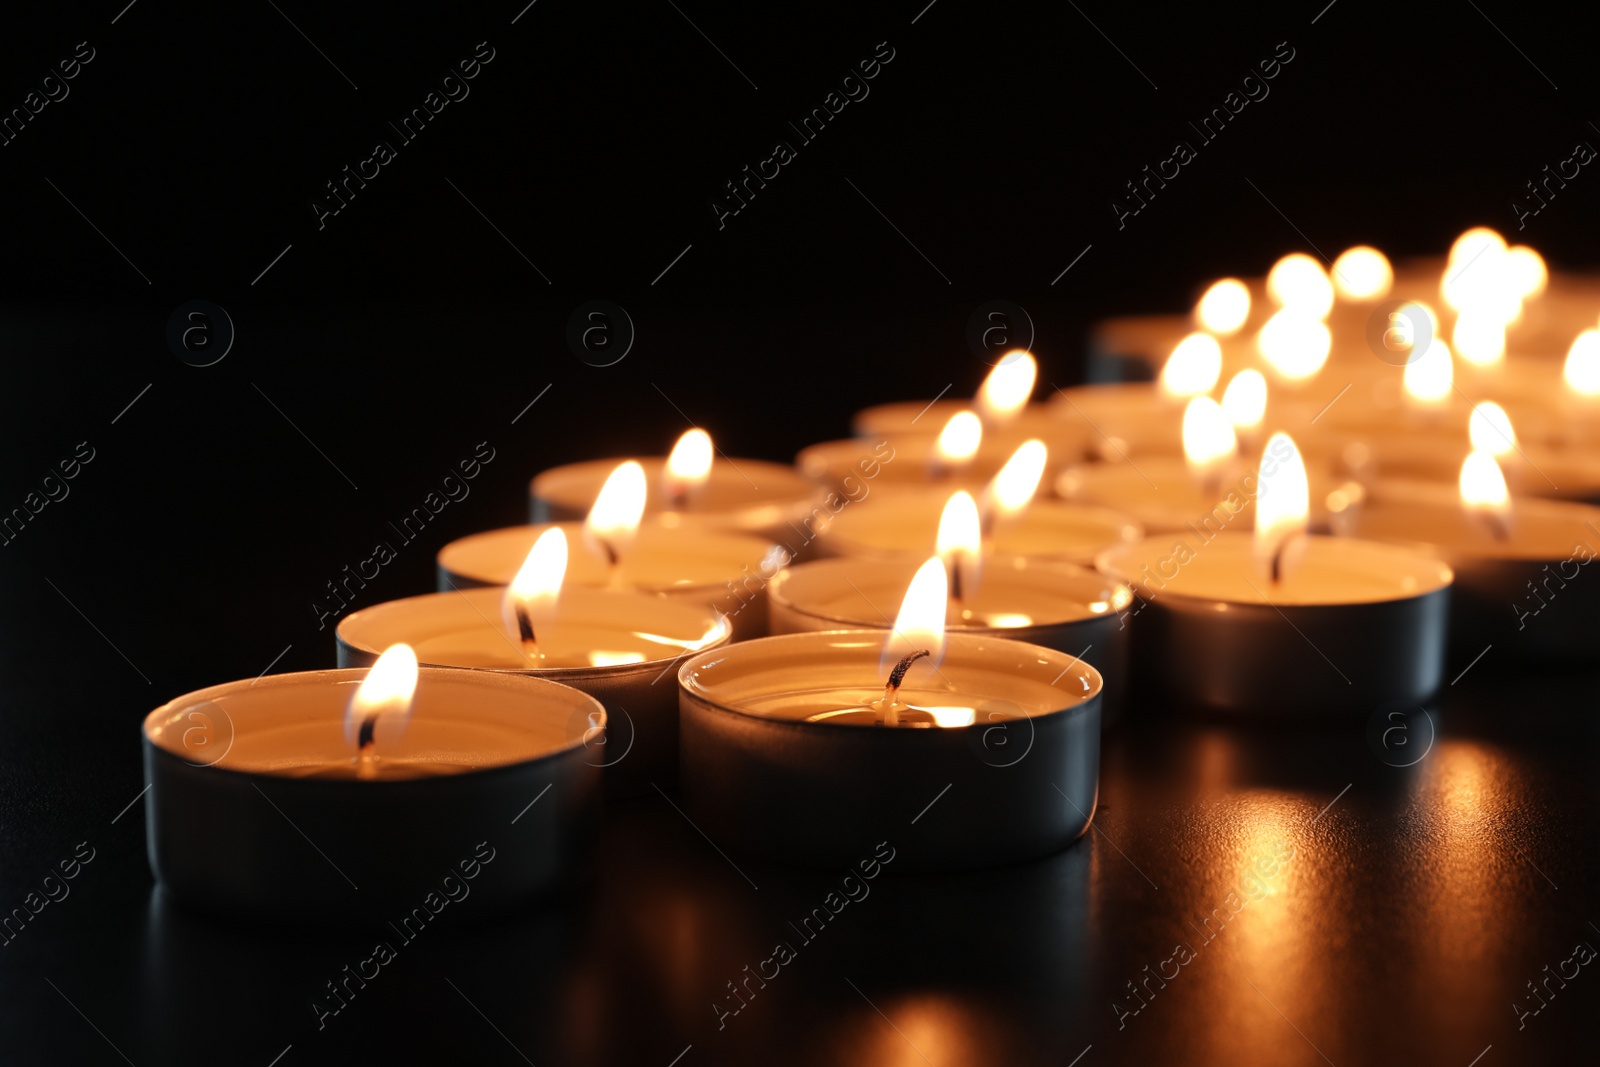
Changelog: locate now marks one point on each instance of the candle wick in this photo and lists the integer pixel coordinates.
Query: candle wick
(530, 646)
(678, 498)
(1277, 563)
(891, 711)
(956, 566)
(364, 736)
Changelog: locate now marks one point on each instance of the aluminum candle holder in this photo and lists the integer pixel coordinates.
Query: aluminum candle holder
(1057, 605)
(750, 496)
(491, 795)
(1357, 624)
(619, 647)
(774, 766)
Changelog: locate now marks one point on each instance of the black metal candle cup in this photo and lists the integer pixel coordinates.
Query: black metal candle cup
(490, 796)
(619, 647)
(997, 761)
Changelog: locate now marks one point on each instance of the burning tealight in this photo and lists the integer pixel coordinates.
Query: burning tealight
(1297, 283)
(1224, 308)
(1429, 378)
(957, 443)
(1281, 621)
(688, 467)
(1193, 368)
(1581, 371)
(726, 572)
(1209, 442)
(1480, 338)
(1244, 401)
(1489, 429)
(392, 769)
(1294, 344)
(808, 746)
(1362, 273)
(1006, 390)
(743, 495)
(1515, 587)
(612, 644)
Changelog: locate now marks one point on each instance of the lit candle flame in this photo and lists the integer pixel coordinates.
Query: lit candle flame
(1006, 390)
(1193, 368)
(1430, 377)
(1245, 400)
(382, 700)
(1480, 337)
(1209, 441)
(1482, 278)
(1362, 273)
(1224, 308)
(688, 466)
(613, 521)
(1490, 429)
(1581, 372)
(1484, 492)
(1295, 345)
(1011, 490)
(1283, 507)
(960, 544)
(918, 628)
(530, 601)
(959, 440)
(1298, 283)
(1527, 271)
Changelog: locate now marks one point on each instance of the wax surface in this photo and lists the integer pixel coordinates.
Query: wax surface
(1010, 593)
(1538, 529)
(732, 485)
(1224, 569)
(661, 559)
(295, 724)
(1162, 493)
(799, 677)
(592, 629)
(905, 522)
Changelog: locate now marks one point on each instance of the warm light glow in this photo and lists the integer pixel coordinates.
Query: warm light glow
(689, 465)
(959, 440)
(952, 716)
(1298, 283)
(1483, 486)
(1582, 369)
(1474, 244)
(384, 694)
(1245, 400)
(1430, 377)
(1006, 390)
(1208, 437)
(1480, 337)
(1224, 307)
(538, 580)
(1193, 368)
(1490, 429)
(920, 623)
(1526, 270)
(959, 531)
(613, 521)
(1283, 505)
(1362, 273)
(601, 658)
(1294, 345)
(1012, 489)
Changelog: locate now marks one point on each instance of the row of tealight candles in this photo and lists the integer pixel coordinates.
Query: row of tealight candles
(1312, 496)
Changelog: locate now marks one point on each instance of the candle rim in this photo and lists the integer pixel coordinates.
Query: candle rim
(153, 726)
(1080, 703)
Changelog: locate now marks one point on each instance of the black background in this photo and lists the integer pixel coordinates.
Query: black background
(380, 349)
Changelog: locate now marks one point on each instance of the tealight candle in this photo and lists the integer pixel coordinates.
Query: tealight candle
(1059, 606)
(902, 522)
(269, 800)
(1281, 622)
(614, 645)
(745, 495)
(811, 747)
(1001, 402)
(929, 458)
(1516, 563)
(724, 571)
